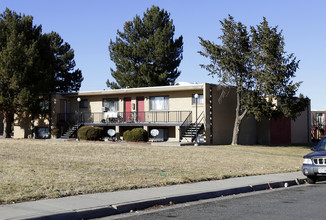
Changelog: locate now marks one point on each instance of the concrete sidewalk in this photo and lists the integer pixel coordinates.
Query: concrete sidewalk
(105, 204)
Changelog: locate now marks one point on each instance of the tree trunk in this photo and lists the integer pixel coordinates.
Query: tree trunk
(33, 126)
(237, 122)
(6, 124)
(236, 130)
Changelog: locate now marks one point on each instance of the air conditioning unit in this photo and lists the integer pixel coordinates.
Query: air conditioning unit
(104, 109)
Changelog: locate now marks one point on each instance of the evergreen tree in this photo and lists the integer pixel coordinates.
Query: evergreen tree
(32, 65)
(59, 65)
(145, 53)
(18, 55)
(258, 66)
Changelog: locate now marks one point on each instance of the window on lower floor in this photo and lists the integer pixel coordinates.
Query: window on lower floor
(157, 103)
(42, 132)
(111, 105)
(44, 104)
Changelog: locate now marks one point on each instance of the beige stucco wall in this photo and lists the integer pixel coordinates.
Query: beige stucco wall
(300, 128)
(23, 125)
(19, 132)
(178, 101)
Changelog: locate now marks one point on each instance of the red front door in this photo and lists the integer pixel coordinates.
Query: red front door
(140, 109)
(128, 114)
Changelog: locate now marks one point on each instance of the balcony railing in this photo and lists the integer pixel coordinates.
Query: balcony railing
(126, 117)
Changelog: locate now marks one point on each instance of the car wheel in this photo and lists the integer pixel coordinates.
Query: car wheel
(311, 179)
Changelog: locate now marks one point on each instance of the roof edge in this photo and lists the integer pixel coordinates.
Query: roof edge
(139, 90)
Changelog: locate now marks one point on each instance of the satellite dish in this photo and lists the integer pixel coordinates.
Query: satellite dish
(154, 132)
(111, 132)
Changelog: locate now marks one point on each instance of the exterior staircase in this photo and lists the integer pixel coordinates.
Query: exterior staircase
(71, 132)
(191, 132)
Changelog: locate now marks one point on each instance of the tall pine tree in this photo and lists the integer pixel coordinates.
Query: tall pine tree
(145, 53)
(18, 56)
(59, 64)
(31, 65)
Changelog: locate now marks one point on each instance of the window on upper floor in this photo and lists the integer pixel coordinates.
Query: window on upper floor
(157, 103)
(199, 101)
(112, 105)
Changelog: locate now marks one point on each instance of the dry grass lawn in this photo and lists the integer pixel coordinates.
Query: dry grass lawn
(36, 169)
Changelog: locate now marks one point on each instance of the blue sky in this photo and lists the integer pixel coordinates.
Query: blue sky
(89, 25)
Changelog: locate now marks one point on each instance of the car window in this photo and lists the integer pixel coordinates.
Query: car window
(322, 145)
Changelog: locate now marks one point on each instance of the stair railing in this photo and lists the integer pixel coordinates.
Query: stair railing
(183, 127)
(199, 121)
(201, 117)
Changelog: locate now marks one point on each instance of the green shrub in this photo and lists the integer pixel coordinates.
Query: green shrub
(82, 132)
(139, 134)
(127, 135)
(135, 135)
(90, 133)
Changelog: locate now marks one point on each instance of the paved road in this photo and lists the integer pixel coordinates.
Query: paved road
(299, 202)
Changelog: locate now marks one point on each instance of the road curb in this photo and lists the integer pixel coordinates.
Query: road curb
(120, 208)
(108, 204)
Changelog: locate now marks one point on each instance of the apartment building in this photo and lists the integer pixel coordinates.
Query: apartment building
(180, 112)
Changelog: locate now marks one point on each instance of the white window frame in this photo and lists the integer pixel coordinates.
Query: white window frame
(112, 104)
(159, 103)
(200, 100)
